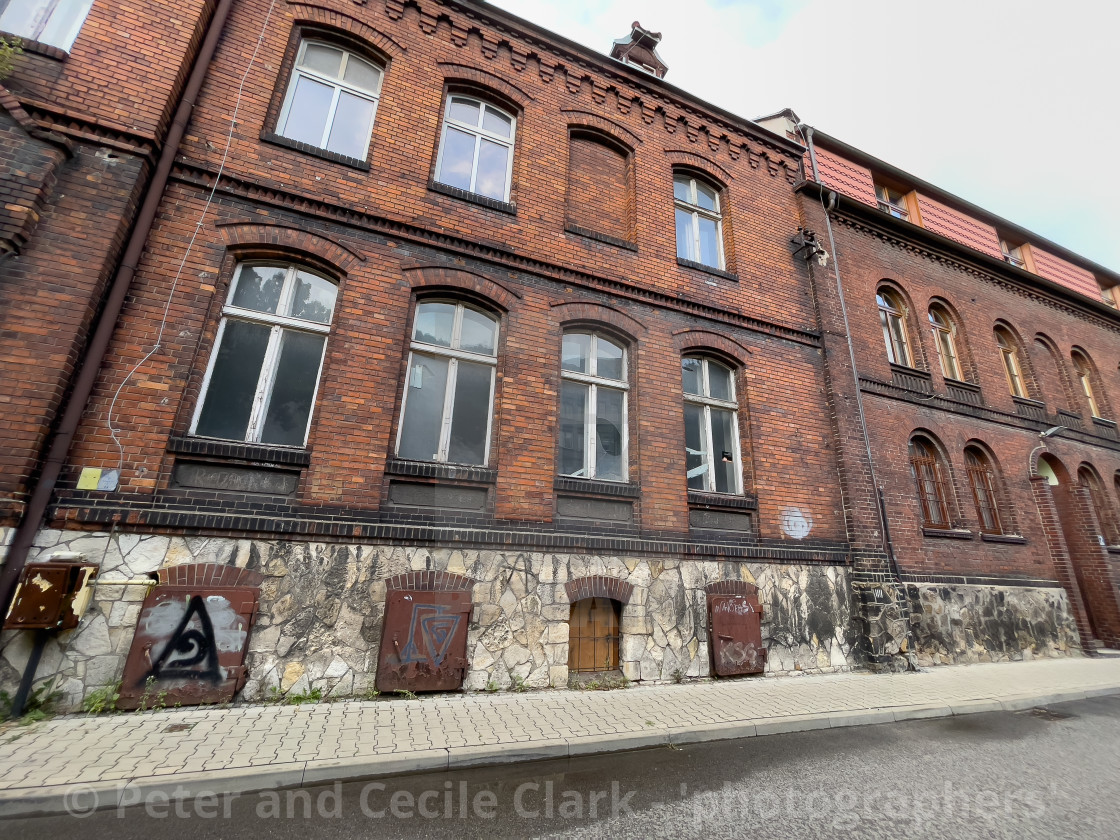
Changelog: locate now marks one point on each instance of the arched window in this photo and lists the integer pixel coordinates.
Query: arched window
(929, 475)
(593, 430)
(1102, 507)
(331, 100)
(1012, 364)
(944, 338)
(892, 317)
(476, 150)
(261, 382)
(449, 392)
(593, 635)
(711, 426)
(699, 220)
(1084, 370)
(983, 483)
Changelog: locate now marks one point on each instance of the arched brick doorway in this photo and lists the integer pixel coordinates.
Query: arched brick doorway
(1071, 529)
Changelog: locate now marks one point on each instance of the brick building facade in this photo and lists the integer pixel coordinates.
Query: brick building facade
(465, 304)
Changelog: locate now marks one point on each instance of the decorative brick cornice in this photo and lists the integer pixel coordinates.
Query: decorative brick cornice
(605, 85)
(73, 126)
(308, 206)
(599, 586)
(960, 263)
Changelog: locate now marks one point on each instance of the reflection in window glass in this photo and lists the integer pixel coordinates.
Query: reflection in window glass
(712, 457)
(331, 100)
(449, 388)
(593, 430)
(476, 150)
(264, 374)
(698, 220)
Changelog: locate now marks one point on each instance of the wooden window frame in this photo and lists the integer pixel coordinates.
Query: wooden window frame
(944, 338)
(928, 472)
(983, 482)
(892, 313)
(696, 212)
(1012, 364)
(594, 382)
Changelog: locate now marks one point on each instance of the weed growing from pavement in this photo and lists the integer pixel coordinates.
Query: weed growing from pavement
(102, 700)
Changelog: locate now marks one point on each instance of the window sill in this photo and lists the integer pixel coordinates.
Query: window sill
(1112, 549)
(263, 453)
(29, 45)
(708, 269)
(335, 157)
(473, 198)
(600, 237)
(1011, 539)
(450, 472)
(595, 487)
(948, 533)
(721, 501)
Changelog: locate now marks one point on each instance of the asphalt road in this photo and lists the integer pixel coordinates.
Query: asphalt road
(1051, 773)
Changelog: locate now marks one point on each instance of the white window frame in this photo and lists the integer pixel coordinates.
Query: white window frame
(453, 355)
(591, 415)
(479, 133)
(696, 211)
(339, 86)
(47, 10)
(708, 402)
(278, 323)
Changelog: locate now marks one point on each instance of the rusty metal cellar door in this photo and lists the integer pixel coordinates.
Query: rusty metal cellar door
(593, 635)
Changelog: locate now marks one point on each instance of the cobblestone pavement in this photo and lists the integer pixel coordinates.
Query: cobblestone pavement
(267, 746)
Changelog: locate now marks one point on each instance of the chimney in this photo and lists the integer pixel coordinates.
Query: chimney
(640, 50)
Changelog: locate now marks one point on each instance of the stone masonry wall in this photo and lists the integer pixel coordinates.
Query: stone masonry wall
(963, 624)
(322, 606)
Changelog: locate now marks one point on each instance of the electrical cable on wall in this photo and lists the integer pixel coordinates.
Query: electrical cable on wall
(113, 432)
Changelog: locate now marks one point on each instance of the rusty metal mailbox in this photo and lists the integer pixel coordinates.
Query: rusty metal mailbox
(52, 595)
(424, 640)
(189, 646)
(735, 623)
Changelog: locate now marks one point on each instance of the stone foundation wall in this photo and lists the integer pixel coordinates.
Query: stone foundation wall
(322, 605)
(961, 624)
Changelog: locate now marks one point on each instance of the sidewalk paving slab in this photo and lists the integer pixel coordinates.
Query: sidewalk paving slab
(75, 763)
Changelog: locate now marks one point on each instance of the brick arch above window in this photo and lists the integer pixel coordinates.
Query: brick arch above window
(476, 81)
(731, 587)
(430, 581)
(711, 343)
(1056, 387)
(599, 586)
(681, 159)
(436, 277)
(585, 119)
(251, 241)
(569, 313)
(311, 15)
(208, 574)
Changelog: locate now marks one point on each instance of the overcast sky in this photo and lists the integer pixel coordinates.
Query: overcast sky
(1010, 104)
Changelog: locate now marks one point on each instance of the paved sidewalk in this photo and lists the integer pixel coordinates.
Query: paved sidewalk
(72, 762)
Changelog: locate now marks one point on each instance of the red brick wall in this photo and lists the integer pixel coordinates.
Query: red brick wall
(599, 194)
(893, 415)
(526, 261)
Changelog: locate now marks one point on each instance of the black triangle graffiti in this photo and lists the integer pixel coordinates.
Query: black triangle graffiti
(190, 653)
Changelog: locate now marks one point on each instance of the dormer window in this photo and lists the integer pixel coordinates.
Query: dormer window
(1013, 254)
(892, 202)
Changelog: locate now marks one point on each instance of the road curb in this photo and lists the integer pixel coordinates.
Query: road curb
(81, 799)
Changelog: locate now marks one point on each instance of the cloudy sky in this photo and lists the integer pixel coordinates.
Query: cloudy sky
(1010, 104)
